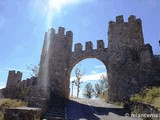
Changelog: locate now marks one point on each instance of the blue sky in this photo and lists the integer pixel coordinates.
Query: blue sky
(24, 22)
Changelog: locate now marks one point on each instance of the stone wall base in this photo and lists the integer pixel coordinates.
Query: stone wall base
(22, 113)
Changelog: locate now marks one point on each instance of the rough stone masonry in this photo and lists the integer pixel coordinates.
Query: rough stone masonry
(129, 62)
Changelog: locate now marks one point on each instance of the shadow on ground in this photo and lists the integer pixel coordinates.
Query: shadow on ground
(77, 111)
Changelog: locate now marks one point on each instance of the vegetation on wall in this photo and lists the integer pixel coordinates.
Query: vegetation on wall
(24, 93)
(149, 95)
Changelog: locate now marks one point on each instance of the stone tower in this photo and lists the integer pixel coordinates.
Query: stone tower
(14, 78)
(60, 49)
(129, 66)
(55, 62)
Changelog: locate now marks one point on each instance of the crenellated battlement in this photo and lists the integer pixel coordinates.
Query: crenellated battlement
(89, 46)
(100, 44)
(60, 33)
(59, 40)
(28, 82)
(69, 34)
(61, 30)
(128, 33)
(14, 72)
(120, 20)
(132, 19)
(78, 47)
(14, 78)
(51, 31)
(15, 84)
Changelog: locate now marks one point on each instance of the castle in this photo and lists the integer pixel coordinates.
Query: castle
(130, 63)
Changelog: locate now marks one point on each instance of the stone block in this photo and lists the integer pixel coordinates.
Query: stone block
(89, 45)
(78, 47)
(119, 19)
(69, 34)
(100, 44)
(132, 19)
(61, 30)
(22, 113)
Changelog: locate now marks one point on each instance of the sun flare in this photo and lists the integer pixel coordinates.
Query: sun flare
(55, 7)
(49, 9)
(58, 4)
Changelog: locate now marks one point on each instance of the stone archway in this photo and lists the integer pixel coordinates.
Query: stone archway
(127, 58)
(78, 54)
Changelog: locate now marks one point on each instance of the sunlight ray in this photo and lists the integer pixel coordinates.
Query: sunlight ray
(47, 10)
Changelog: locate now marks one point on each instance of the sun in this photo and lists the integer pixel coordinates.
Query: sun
(58, 4)
(54, 7)
(49, 9)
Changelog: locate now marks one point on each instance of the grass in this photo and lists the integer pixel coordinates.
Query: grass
(8, 103)
(157, 103)
(1, 116)
(149, 96)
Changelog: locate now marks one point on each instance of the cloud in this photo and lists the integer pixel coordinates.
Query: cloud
(89, 77)
(93, 72)
(100, 66)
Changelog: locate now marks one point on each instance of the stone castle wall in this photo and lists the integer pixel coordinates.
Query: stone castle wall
(15, 84)
(15, 79)
(130, 63)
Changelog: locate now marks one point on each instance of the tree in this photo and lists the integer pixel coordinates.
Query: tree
(77, 81)
(101, 86)
(88, 91)
(103, 82)
(97, 90)
(34, 69)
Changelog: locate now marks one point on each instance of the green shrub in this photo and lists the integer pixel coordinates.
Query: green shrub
(8, 103)
(149, 95)
(157, 102)
(137, 98)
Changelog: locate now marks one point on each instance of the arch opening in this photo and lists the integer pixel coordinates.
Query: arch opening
(92, 70)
